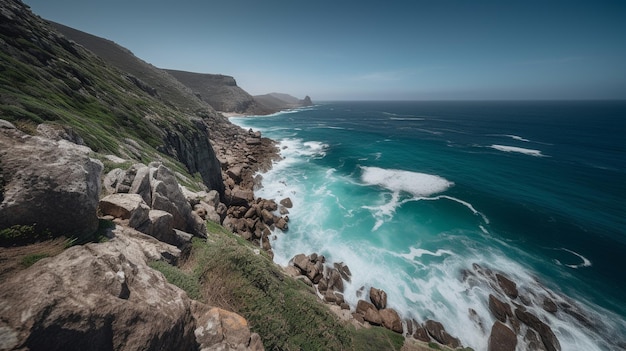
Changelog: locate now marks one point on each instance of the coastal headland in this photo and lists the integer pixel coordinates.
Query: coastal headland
(128, 218)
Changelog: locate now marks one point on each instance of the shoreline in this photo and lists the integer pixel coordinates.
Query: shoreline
(531, 300)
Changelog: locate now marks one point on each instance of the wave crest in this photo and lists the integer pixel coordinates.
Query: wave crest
(414, 183)
(521, 150)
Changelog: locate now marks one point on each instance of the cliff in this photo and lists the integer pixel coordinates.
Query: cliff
(117, 186)
(219, 91)
(279, 101)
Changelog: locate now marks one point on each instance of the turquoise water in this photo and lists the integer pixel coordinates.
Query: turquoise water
(409, 194)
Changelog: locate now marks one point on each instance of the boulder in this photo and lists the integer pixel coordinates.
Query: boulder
(378, 298)
(282, 224)
(93, 293)
(126, 206)
(301, 262)
(372, 316)
(329, 296)
(105, 297)
(167, 196)
(391, 320)
(362, 306)
(141, 182)
(549, 305)
(286, 202)
(240, 197)
(499, 309)
(334, 280)
(160, 226)
(437, 332)
(235, 173)
(52, 184)
(501, 338)
(344, 270)
(508, 286)
(218, 329)
(421, 333)
(532, 341)
(545, 332)
(111, 180)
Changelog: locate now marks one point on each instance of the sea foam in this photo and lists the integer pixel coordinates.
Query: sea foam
(415, 183)
(521, 150)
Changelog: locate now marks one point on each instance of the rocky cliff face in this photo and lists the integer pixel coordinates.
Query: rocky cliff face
(52, 183)
(279, 101)
(116, 104)
(219, 91)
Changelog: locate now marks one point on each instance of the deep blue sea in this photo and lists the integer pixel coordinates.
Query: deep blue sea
(409, 194)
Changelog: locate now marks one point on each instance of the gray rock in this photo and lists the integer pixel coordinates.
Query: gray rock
(112, 179)
(6, 124)
(141, 182)
(126, 206)
(167, 196)
(94, 292)
(52, 184)
(160, 226)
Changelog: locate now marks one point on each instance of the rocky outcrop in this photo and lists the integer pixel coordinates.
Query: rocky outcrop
(219, 91)
(507, 303)
(149, 199)
(52, 184)
(105, 297)
(191, 145)
(278, 101)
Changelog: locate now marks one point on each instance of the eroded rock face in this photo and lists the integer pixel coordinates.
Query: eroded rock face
(53, 184)
(105, 297)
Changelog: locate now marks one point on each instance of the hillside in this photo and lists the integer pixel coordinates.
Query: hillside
(219, 91)
(279, 101)
(154, 81)
(128, 219)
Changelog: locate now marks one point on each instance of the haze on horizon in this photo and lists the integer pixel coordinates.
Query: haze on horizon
(374, 50)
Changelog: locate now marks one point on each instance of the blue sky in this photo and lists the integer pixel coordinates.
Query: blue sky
(354, 50)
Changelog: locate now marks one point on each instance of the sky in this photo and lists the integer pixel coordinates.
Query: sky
(374, 50)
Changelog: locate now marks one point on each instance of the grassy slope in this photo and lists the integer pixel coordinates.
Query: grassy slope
(227, 272)
(46, 78)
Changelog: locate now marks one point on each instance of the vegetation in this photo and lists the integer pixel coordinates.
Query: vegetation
(22, 235)
(174, 275)
(30, 260)
(227, 272)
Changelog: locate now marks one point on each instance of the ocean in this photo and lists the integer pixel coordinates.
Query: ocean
(411, 194)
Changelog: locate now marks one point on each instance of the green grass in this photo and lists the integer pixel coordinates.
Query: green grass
(22, 235)
(30, 260)
(174, 275)
(228, 272)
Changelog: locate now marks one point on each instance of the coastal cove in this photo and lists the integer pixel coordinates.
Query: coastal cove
(410, 195)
